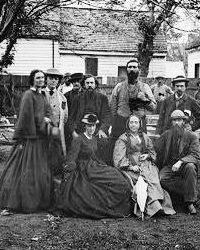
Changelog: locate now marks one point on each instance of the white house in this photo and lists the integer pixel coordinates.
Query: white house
(194, 60)
(35, 53)
(102, 51)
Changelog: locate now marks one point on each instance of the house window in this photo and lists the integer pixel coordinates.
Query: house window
(196, 70)
(91, 66)
(122, 71)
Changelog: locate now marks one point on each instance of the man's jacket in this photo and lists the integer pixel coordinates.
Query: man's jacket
(169, 105)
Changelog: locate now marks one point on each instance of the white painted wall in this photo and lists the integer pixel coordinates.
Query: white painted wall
(37, 54)
(34, 54)
(72, 63)
(174, 69)
(157, 67)
(107, 65)
(193, 58)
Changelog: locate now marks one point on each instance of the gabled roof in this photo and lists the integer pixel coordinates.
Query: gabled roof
(101, 30)
(94, 30)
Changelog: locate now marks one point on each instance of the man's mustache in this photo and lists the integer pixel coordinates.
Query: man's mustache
(90, 88)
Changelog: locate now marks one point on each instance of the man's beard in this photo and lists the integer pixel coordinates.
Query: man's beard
(132, 76)
(90, 92)
(174, 143)
(177, 130)
(177, 133)
(76, 90)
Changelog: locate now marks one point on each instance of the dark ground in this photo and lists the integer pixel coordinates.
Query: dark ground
(43, 231)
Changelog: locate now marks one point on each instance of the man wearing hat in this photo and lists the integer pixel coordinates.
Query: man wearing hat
(160, 91)
(178, 158)
(179, 100)
(65, 86)
(75, 82)
(58, 104)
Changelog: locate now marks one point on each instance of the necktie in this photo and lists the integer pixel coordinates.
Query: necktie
(51, 92)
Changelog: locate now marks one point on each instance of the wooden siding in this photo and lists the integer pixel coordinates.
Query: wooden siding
(72, 63)
(193, 58)
(37, 53)
(34, 54)
(107, 65)
(157, 67)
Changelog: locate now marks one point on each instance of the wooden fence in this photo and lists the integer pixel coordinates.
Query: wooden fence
(12, 87)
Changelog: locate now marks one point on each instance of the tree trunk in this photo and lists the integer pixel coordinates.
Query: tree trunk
(145, 54)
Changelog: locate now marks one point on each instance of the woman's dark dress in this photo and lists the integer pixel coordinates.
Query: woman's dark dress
(25, 184)
(91, 188)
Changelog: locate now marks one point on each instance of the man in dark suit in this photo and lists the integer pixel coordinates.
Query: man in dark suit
(90, 101)
(75, 89)
(178, 157)
(179, 100)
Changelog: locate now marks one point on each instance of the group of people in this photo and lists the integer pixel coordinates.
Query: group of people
(63, 138)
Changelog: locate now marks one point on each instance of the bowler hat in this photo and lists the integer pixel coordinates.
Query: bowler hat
(178, 114)
(90, 119)
(76, 77)
(54, 72)
(179, 79)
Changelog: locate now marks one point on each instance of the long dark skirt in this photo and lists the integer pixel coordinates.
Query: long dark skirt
(95, 191)
(26, 183)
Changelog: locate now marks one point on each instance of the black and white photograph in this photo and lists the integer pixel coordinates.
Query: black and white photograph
(99, 124)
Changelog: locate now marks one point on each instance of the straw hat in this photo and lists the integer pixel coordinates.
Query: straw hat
(54, 72)
(179, 79)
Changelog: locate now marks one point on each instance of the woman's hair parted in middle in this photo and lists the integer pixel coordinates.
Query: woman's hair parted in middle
(32, 75)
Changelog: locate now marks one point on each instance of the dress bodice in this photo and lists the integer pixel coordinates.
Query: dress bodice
(88, 148)
(82, 149)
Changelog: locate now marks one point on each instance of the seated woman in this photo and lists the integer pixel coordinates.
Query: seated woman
(90, 187)
(134, 156)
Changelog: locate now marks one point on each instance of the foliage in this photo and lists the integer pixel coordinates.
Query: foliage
(18, 17)
(153, 17)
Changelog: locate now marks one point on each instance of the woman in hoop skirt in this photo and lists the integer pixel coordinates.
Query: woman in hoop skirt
(26, 183)
(90, 187)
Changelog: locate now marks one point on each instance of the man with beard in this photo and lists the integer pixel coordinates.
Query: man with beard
(90, 101)
(178, 157)
(180, 100)
(130, 97)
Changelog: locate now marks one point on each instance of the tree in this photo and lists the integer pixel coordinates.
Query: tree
(18, 17)
(150, 22)
(23, 16)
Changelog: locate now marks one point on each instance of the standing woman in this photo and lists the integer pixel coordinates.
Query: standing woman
(25, 184)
